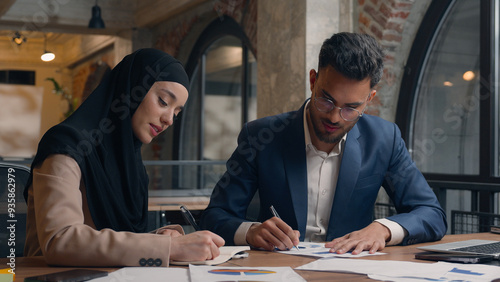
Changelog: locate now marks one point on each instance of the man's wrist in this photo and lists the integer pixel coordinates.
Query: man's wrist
(240, 236)
(397, 232)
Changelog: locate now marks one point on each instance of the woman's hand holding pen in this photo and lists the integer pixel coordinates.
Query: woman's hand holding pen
(273, 233)
(196, 246)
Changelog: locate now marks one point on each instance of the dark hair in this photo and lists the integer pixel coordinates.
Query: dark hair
(356, 56)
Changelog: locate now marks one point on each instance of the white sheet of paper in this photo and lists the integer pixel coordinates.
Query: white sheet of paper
(406, 271)
(470, 272)
(381, 267)
(403, 279)
(150, 274)
(318, 250)
(456, 272)
(226, 253)
(220, 273)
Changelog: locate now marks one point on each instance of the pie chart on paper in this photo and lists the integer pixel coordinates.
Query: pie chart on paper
(241, 272)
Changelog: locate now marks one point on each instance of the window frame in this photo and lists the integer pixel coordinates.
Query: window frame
(485, 183)
(220, 27)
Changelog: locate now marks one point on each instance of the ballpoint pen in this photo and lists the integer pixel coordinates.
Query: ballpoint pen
(189, 218)
(275, 213)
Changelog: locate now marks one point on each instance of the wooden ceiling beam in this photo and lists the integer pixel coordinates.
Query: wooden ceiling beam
(152, 12)
(71, 16)
(5, 6)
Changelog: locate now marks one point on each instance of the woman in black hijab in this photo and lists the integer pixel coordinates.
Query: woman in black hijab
(88, 190)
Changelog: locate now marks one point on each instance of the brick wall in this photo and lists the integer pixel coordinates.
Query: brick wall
(242, 11)
(84, 79)
(386, 21)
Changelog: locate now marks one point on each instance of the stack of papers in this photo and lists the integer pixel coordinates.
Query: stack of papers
(202, 273)
(405, 271)
(386, 270)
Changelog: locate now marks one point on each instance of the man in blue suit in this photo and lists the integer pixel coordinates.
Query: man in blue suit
(321, 167)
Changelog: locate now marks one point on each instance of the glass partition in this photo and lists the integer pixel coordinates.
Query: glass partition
(222, 109)
(446, 128)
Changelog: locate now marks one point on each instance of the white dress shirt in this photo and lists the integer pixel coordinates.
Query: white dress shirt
(322, 175)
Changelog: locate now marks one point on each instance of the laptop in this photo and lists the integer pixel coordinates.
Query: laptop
(467, 247)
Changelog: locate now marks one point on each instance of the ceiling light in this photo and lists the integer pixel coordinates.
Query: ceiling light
(18, 38)
(47, 56)
(96, 20)
(468, 75)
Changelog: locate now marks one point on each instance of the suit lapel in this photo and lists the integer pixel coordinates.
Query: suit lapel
(294, 158)
(348, 175)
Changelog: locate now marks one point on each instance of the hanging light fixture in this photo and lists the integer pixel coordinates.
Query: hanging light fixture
(18, 38)
(47, 56)
(96, 20)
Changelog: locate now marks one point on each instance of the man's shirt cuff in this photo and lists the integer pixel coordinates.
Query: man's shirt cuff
(398, 233)
(240, 237)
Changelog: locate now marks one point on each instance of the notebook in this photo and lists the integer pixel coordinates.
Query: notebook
(226, 253)
(485, 247)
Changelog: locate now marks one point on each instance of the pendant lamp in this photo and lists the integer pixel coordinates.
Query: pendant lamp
(47, 56)
(96, 20)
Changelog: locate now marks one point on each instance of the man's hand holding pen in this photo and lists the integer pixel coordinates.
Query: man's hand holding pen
(273, 233)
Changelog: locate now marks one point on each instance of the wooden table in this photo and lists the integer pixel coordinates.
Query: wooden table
(26, 267)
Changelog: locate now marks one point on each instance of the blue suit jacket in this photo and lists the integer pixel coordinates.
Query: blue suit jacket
(270, 159)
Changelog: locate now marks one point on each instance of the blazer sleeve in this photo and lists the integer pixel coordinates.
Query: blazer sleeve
(419, 211)
(65, 239)
(233, 192)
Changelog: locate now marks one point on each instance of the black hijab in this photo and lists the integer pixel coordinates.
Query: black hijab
(99, 136)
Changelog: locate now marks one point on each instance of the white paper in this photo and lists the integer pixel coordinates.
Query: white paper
(381, 267)
(150, 274)
(470, 272)
(220, 273)
(456, 272)
(406, 271)
(318, 250)
(405, 279)
(226, 253)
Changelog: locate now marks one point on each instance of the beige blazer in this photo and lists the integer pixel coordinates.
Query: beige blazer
(60, 228)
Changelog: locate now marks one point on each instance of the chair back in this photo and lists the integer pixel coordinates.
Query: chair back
(466, 222)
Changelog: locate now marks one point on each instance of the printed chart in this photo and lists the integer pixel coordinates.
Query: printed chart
(247, 274)
(231, 271)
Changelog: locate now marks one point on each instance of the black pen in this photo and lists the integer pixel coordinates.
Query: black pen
(275, 213)
(189, 218)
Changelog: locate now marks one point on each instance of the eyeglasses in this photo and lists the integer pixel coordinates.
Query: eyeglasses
(346, 113)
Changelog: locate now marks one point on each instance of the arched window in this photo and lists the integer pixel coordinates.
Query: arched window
(223, 75)
(448, 108)
(190, 158)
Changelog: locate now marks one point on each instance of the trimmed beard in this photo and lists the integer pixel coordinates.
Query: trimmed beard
(325, 137)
